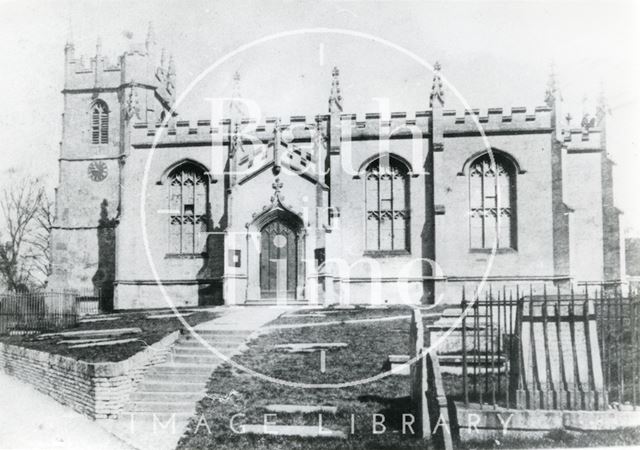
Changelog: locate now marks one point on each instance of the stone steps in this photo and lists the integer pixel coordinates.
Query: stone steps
(147, 417)
(183, 350)
(185, 369)
(208, 359)
(175, 386)
(216, 340)
(163, 406)
(169, 386)
(167, 396)
(175, 377)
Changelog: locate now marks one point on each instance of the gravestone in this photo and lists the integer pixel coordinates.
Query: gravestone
(557, 363)
(427, 389)
(418, 373)
(310, 347)
(397, 364)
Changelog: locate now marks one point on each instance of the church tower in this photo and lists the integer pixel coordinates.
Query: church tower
(102, 100)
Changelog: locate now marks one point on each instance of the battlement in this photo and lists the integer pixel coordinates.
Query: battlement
(577, 140)
(494, 120)
(401, 125)
(353, 127)
(397, 126)
(184, 132)
(141, 64)
(84, 73)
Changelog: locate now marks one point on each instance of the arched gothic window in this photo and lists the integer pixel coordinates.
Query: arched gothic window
(387, 205)
(492, 203)
(188, 199)
(99, 123)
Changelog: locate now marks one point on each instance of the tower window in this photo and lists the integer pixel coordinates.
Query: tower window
(492, 203)
(99, 123)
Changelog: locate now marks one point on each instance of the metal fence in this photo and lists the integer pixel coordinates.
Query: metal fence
(619, 338)
(504, 338)
(35, 312)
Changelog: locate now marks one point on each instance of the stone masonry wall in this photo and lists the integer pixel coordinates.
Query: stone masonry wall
(97, 390)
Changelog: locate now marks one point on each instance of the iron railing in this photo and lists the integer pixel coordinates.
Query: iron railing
(35, 312)
(491, 364)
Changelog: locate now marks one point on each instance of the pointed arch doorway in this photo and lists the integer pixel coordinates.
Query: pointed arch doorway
(278, 260)
(276, 264)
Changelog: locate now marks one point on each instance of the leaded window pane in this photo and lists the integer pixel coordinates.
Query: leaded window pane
(399, 231)
(188, 193)
(387, 213)
(99, 123)
(386, 232)
(491, 193)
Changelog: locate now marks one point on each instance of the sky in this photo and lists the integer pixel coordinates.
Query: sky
(496, 54)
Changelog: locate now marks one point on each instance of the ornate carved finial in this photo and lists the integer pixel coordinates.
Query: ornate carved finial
(69, 43)
(437, 88)
(236, 107)
(602, 107)
(171, 77)
(277, 186)
(587, 122)
(335, 99)
(235, 93)
(132, 105)
(163, 57)
(277, 189)
(552, 88)
(151, 37)
(171, 70)
(276, 147)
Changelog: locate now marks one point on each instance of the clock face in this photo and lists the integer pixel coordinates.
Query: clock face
(97, 171)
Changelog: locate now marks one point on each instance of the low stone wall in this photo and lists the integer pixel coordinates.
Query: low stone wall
(484, 423)
(97, 390)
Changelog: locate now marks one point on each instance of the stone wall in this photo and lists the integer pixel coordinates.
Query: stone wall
(97, 390)
(475, 423)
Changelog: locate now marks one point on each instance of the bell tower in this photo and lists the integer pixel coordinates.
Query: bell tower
(102, 100)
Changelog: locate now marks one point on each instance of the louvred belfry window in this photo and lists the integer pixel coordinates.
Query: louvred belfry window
(188, 192)
(387, 209)
(100, 123)
(492, 195)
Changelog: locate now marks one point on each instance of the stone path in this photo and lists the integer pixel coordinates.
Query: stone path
(165, 400)
(335, 322)
(450, 348)
(32, 420)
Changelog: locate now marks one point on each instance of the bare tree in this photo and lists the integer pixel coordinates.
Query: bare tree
(24, 237)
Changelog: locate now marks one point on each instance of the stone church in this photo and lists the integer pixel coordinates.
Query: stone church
(385, 208)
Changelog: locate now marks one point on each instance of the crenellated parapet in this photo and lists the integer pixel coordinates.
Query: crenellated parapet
(298, 129)
(141, 65)
(581, 140)
(399, 125)
(353, 127)
(496, 121)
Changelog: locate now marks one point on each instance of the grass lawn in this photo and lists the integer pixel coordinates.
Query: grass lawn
(152, 331)
(368, 347)
(369, 344)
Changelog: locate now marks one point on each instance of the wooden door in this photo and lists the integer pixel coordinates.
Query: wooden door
(278, 261)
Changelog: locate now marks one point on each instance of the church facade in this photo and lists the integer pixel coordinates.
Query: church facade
(404, 207)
